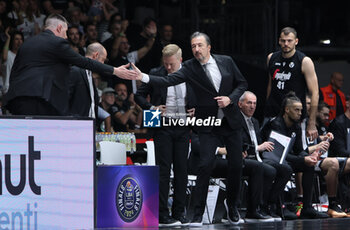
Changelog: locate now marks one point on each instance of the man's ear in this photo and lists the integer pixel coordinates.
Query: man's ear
(59, 28)
(95, 55)
(296, 41)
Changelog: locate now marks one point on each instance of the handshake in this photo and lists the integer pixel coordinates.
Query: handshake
(128, 72)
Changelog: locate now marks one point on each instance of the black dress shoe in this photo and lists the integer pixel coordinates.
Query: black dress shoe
(311, 213)
(233, 215)
(257, 216)
(167, 221)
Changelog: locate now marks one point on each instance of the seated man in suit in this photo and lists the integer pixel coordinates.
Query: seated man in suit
(253, 145)
(297, 159)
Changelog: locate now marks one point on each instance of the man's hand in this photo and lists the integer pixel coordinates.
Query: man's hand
(124, 73)
(162, 108)
(329, 137)
(222, 151)
(311, 131)
(191, 112)
(137, 71)
(323, 146)
(266, 146)
(310, 160)
(317, 154)
(222, 101)
(244, 154)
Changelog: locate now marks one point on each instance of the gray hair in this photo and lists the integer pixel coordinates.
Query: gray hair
(198, 34)
(245, 94)
(53, 20)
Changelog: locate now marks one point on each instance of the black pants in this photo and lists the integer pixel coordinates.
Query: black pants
(284, 172)
(171, 147)
(31, 106)
(260, 175)
(208, 143)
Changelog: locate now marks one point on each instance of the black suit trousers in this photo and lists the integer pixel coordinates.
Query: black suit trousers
(208, 144)
(284, 172)
(171, 147)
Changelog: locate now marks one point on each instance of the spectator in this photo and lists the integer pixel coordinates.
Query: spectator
(107, 102)
(74, 39)
(12, 45)
(166, 35)
(101, 12)
(91, 34)
(39, 18)
(333, 96)
(24, 17)
(153, 57)
(128, 115)
(49, 8)
(114, 18)
(74, 18)
(124, 57)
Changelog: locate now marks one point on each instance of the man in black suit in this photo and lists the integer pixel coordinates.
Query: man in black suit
(171, 143)
(83, 96)
(252, 146)
(39, 77)
(217, 84)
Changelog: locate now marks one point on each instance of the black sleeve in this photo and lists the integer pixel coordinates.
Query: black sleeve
(69, 56)
(338, 145)
(140, 97)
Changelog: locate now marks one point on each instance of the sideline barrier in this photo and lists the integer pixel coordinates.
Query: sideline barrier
(46, 173)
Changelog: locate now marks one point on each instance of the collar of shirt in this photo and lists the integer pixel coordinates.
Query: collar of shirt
(245, 116)
(211, 60)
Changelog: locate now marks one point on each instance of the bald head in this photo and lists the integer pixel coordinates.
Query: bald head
(96, 52)
(337, 80)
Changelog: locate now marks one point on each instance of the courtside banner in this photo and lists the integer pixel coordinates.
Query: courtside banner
(46, 174)
(127, 196)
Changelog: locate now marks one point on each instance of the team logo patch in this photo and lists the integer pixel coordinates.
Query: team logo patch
(151, 118)
(291, 65)
(129, 199)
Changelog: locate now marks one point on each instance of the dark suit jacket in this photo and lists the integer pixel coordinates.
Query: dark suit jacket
(246, 140)
(159, 94)
(233, 85)
(41, 69)
(79, 93)
(339, 128)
